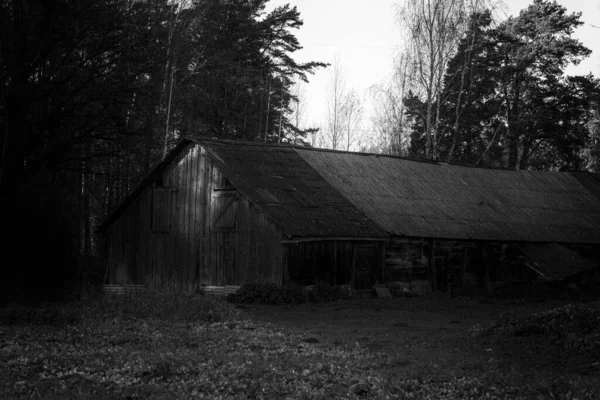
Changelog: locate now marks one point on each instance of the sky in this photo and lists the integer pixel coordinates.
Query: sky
(365, 37)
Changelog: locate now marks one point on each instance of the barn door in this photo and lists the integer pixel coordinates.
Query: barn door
(223, 232)
(363, 265)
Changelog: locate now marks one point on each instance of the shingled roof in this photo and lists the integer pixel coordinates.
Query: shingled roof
(289, 190)
(438, 200)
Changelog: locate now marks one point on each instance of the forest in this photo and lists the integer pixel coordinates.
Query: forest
(95, 92)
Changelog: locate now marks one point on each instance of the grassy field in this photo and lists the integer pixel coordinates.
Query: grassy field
(199, 347)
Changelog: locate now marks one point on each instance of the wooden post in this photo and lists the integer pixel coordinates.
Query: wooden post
(353, 273)
(432, 268)
(382, 261)
(285, 273)
(335, 262)
(463, 267)
(486, 269)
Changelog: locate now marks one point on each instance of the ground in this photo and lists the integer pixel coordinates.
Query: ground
(444, 339)
(436, 348)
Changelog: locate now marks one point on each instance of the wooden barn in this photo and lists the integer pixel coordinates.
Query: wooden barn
(217, 213)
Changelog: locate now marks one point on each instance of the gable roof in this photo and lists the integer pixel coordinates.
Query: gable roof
(438, 200)
(286, 188)
(323, 193)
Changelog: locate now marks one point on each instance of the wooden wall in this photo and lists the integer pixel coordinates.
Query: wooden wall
(337, 262)
(192, 228)
(441, 262)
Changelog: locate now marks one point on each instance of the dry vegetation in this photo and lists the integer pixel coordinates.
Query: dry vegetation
(161, 346)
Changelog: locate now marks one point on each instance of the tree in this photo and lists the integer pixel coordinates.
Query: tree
(433, 29)
(514, 108)
(344, 110)
(243, 90)
(591, 152)
(351, 114)
(298, 106)
(68, 77)
(335, 104)
(535, 48)
(389, 114)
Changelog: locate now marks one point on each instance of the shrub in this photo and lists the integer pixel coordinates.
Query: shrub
(571, 325)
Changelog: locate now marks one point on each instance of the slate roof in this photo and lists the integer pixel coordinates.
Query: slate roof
(289, 190)
(438, 200)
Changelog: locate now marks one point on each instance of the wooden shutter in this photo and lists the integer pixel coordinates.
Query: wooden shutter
(224, 210)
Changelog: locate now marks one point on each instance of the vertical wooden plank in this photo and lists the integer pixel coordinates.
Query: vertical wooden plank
(192, 244)
(381, 260)
(170, 242)
(463, 267)
(179, 243)
(243, 240)
(200, 216)
(285, 254)
(189, 266)
(183, 232)
(254, 249)
(210, 242)
(206, 229)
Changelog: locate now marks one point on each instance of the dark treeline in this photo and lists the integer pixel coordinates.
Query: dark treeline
(94, 92)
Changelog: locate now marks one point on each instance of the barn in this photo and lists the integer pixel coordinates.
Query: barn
(221, 213)
(218, 213)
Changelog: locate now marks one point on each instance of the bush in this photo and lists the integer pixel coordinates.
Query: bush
(289, 294)
(571, 325)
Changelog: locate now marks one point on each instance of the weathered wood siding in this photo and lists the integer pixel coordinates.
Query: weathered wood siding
(336, 262)
(192, 228)
(406, 259)
(441, 262)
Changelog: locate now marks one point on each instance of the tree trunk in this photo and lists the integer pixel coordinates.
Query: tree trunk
(513, 125)
(268, 109)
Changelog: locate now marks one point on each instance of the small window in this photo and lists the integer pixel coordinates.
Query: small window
(161, 210)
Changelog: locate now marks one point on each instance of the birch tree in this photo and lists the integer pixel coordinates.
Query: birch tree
(433, 29)
(298, 104)
(335, 105)
(389, 114)
(352, 112)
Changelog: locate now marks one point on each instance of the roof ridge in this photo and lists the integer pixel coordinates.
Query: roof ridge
(200, 140)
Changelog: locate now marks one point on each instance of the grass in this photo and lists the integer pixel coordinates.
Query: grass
(173, 346)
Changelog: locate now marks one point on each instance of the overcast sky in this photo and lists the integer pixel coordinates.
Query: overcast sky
(365, 36)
